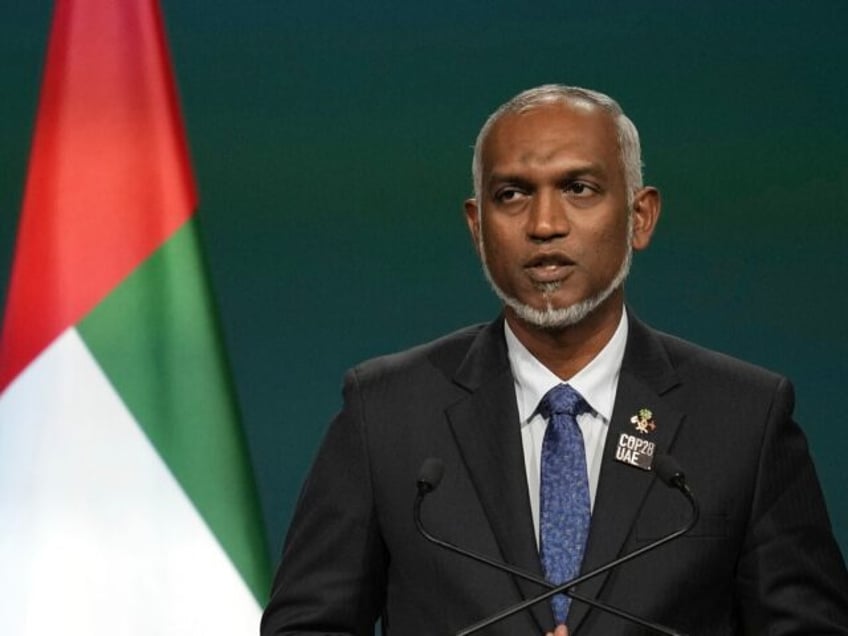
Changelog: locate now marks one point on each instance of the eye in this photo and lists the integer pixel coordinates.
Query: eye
(580, 189)
(508, 194)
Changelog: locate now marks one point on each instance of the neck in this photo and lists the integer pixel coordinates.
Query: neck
(567, 350)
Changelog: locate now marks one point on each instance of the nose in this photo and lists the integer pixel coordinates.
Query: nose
(547, 218)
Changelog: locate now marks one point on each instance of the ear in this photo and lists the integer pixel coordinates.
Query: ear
(472, 218)
(646, 213)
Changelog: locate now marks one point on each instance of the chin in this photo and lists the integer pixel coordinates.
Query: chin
(554, 318)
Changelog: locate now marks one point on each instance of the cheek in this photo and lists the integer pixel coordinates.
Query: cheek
(496, 239)
(615, 235)
(599, 240)
(607, 248)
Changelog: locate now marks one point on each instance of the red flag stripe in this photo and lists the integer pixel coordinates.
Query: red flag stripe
(109, 177)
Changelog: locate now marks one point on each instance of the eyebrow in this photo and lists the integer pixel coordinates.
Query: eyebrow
(589, 169)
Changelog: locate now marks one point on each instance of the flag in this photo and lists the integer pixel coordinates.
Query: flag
(127, 501)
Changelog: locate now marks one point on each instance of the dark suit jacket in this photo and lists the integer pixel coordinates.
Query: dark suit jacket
(762, 559)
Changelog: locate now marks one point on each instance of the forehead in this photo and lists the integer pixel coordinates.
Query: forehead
(552, 135)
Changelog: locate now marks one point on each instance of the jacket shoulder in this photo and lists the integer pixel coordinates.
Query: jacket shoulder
(707, 367)
(441, 356)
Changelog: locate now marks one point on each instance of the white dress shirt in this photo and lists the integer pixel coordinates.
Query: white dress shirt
(597, 382)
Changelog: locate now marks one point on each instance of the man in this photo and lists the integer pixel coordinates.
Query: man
(559, 206)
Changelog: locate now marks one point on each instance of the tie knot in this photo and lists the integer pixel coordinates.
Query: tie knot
(562, 400)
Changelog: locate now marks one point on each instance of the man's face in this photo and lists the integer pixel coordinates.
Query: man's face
(553, 223)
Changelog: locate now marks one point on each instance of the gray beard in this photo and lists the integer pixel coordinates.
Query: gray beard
(551, 317)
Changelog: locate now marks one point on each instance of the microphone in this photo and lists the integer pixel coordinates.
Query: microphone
(672, 475)
(669, 472)
(430, 475)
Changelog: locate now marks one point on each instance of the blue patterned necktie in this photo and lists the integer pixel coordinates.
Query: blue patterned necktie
(565, 509)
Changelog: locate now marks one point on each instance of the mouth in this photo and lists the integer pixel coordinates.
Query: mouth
(549, 268)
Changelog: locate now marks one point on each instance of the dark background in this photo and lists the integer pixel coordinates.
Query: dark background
(331, 144)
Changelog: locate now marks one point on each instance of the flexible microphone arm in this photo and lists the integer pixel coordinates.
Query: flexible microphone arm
(671, 474)
(428, 480)
(667, 470)
(431, 474)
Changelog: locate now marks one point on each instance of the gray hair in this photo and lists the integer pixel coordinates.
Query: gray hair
(629, 148)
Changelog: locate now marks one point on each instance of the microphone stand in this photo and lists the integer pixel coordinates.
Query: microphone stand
(676, 480)
(566, 587)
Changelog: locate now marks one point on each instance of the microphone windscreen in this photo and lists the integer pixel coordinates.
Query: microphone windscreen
(430, 474)
(667, 469)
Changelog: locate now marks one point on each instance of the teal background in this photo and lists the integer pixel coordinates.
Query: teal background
(331, 144)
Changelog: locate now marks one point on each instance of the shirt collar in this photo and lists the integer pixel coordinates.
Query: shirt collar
(596, 382)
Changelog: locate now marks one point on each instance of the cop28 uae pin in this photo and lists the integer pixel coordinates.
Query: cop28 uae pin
(637, 450)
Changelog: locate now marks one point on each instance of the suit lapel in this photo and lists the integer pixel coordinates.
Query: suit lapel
(646, 375)
(486, 428)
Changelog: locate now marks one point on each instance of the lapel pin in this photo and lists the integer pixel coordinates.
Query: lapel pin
(644, 421)
(635, 450)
